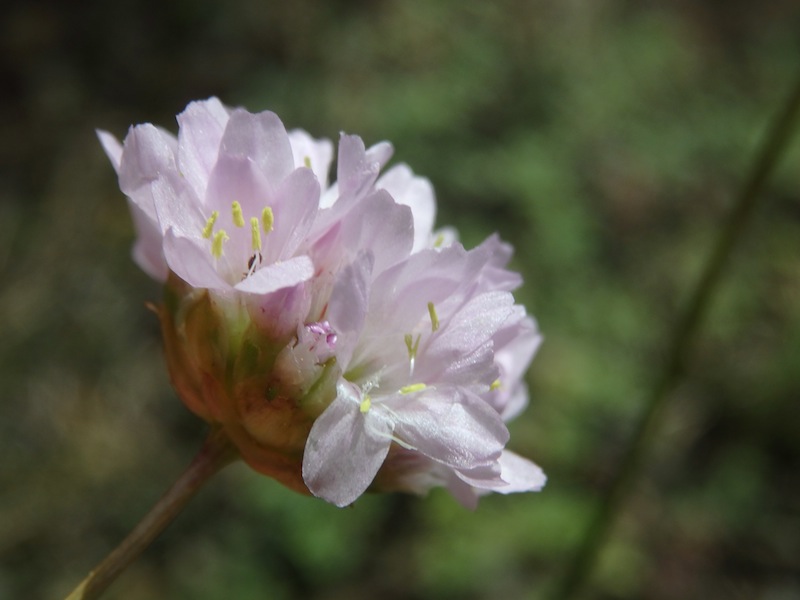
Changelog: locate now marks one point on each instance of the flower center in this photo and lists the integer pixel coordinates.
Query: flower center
(220, 237)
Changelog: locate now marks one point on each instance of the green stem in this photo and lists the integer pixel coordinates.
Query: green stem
(678, 350)
(215, 453)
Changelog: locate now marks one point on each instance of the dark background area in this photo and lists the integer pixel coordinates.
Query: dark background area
(605, 140)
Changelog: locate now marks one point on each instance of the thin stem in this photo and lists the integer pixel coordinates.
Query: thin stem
(215, 453)
(679, 347)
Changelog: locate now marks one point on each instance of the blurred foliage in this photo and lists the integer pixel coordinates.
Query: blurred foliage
(604, 140)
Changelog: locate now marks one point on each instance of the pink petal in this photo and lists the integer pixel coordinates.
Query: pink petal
(380, 153)
(148, 154)
(449, 425)
(294, 208)
(176, 209)
(278, 276)
(417, 194)
(201, 127)
(318, 152)
(261, 138)
(345, 449)
(148, 250)
(515, 346)
(237, 178)
(455, 351)
(112, 148)
(494, 275)
(191, 263)
(463, 492)
(347, 307)
(400, 295)
(485, 475)
(521, 474)
(359, 168)
(277, 314)
(383, 226)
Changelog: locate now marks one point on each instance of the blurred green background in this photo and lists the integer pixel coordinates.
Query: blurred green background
(604, 139)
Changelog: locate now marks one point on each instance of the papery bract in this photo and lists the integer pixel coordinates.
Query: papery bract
(341, 342)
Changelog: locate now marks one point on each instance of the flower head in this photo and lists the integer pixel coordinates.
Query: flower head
(341, 343)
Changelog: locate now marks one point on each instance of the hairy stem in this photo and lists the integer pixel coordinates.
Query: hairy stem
(680, 344)
(215, 453)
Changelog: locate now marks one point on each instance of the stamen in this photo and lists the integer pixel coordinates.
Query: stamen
(434, 317)
(496, 385)
(238, 217)
(439, 241)
(365, 405)
(255, 233)
(307, 161)
(216, 244)
(412, 345)
(209, 228)
(267, 219)
(414, 387)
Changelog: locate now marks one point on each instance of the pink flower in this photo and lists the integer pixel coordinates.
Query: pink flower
(341, 343)
(432, 359)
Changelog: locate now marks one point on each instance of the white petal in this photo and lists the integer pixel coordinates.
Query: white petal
(345, 449)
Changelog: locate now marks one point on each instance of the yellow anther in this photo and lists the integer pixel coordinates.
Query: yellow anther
(255, 233)
(365, 405)
(267, 219)
(307, 161)
(412, 345)
(496, 385)
(414, 387)
(434, 317)
(238, 217)
(439, 241)
(216, 244)
(209, 228)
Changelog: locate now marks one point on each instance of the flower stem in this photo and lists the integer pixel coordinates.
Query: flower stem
(215, 453)
(678, 350)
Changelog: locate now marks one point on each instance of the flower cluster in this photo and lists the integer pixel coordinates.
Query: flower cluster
(341, 343)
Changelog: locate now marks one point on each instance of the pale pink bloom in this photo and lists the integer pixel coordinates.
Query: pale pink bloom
(429, 356)
(223, 202)
(390, 352)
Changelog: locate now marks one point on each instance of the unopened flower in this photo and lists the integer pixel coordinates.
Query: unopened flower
(341, 343)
